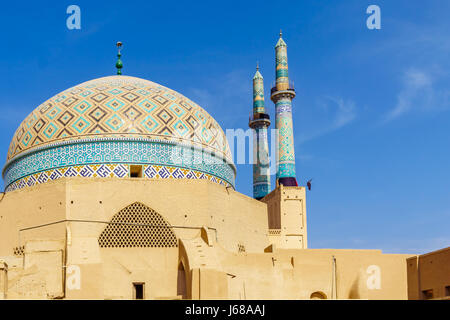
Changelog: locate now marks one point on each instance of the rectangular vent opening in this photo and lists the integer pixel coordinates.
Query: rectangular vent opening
(136, 171)
(138, 290)
(427, 294)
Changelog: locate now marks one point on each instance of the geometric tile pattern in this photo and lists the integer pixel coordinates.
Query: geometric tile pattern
(261, 169)
(166, 172)
(119, 106)
(138, 226)
(281, 62)
(107, 170)
(111, 171)
(125, 151)
(258, 93)
(286, 153)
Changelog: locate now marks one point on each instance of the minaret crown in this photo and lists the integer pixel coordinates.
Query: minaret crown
(258, 92)
(258, 74)
(281, 42)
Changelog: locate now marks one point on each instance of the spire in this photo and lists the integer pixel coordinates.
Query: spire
(119, 64)
(257, 74)
(280, 42)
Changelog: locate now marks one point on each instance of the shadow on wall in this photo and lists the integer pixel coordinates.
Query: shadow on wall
(181, 282)
(354, 290)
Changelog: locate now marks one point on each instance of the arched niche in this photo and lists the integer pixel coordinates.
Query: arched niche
(138, 226)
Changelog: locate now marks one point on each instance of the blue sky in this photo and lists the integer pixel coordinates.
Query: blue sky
(371, 116)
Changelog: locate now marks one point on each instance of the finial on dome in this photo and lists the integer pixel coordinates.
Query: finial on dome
(281, 33)
(257, 65)
(119, 64)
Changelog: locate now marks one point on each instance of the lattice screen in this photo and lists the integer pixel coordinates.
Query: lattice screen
(137, 226)
(18, 251)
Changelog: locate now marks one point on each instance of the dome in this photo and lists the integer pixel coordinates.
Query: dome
(103, 126)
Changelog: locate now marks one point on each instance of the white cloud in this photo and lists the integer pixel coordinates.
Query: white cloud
(338, 113)
(345, 112)
(418, 93)
(229, 99)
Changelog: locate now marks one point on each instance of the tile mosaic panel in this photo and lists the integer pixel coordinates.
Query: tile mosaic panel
(100, 152)
(111, 171)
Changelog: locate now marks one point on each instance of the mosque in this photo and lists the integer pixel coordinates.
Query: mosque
(121, 188)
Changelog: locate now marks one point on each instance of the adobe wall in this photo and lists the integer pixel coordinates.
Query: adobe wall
(297, 274)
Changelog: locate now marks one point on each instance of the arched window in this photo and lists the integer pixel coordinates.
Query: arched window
(137, 226)
(318, 295)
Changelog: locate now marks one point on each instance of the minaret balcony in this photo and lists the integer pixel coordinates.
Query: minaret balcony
(274, 89)
(275, 94)
(290, 87)
(259, 120)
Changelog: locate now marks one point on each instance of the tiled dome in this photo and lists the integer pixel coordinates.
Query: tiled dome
(118, 106)
(116, 109)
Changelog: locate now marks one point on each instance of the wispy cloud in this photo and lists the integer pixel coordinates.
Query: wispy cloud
(418, 93)
(345, 112)
(338, 112)
(219, 97)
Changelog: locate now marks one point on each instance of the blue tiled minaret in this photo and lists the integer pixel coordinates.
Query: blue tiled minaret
(259, 122)
(282, 95)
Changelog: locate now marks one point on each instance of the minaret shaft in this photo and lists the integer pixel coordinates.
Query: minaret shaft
(259, 123)
(284, 125)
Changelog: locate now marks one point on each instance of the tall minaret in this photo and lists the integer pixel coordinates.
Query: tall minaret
(259, 123)
(282, 95)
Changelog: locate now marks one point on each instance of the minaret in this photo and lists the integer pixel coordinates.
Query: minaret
(286, 204)
(282, 95)
(259, 123)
